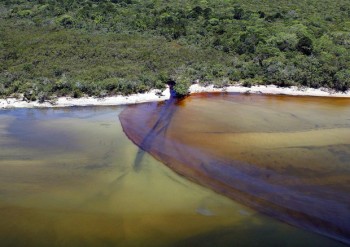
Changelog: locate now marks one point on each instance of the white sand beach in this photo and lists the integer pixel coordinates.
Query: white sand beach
(270, 89)
(158, 95)
(153, 95)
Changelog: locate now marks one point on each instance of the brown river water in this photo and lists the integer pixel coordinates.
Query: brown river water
(211, 170)
(288, 157)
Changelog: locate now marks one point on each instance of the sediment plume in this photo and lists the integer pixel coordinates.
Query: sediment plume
(275, 170)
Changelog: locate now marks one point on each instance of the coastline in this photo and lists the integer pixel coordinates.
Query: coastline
(151, 96)
(270, 90)
(158, 95)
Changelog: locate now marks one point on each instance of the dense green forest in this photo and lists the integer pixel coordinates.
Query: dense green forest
(106, 47)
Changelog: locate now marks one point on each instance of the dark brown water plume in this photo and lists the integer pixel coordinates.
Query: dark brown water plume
(288, 157)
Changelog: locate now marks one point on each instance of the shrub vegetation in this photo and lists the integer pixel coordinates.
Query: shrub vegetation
(107, 47)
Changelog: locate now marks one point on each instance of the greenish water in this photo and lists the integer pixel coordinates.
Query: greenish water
(68, 178)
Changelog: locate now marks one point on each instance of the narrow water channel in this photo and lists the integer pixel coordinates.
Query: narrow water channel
(71, 177)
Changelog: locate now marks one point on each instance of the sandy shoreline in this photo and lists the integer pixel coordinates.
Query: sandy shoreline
(153, 95)
(271, 89)
(157, 95)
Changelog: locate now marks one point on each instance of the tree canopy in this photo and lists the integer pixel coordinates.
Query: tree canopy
(104, 47)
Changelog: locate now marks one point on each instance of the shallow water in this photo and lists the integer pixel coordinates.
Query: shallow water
(288, 157)
(71, 177)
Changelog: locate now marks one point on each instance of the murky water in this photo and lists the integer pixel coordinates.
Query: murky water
(288, 157)
(71, 177)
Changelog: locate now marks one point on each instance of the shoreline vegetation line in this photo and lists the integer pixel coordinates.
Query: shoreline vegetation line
(158, 95)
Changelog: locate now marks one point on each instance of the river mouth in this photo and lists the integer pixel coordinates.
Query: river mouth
(71, 177)
(288, 157)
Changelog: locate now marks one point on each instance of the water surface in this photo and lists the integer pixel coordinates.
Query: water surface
(288, 157)
(71, 177)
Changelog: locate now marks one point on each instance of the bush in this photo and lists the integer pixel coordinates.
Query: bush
(43, 96)
(29, 95)
(342, 80)
(24, 13)
(181, 88)
(65, 21)
(305, 46)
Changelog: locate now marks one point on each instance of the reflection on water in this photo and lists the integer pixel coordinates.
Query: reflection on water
(68, 178)
(288, 157)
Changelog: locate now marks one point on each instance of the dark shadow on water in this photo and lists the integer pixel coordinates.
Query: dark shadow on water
(160, 127)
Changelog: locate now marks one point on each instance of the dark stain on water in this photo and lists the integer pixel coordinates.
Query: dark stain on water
(160, 127)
